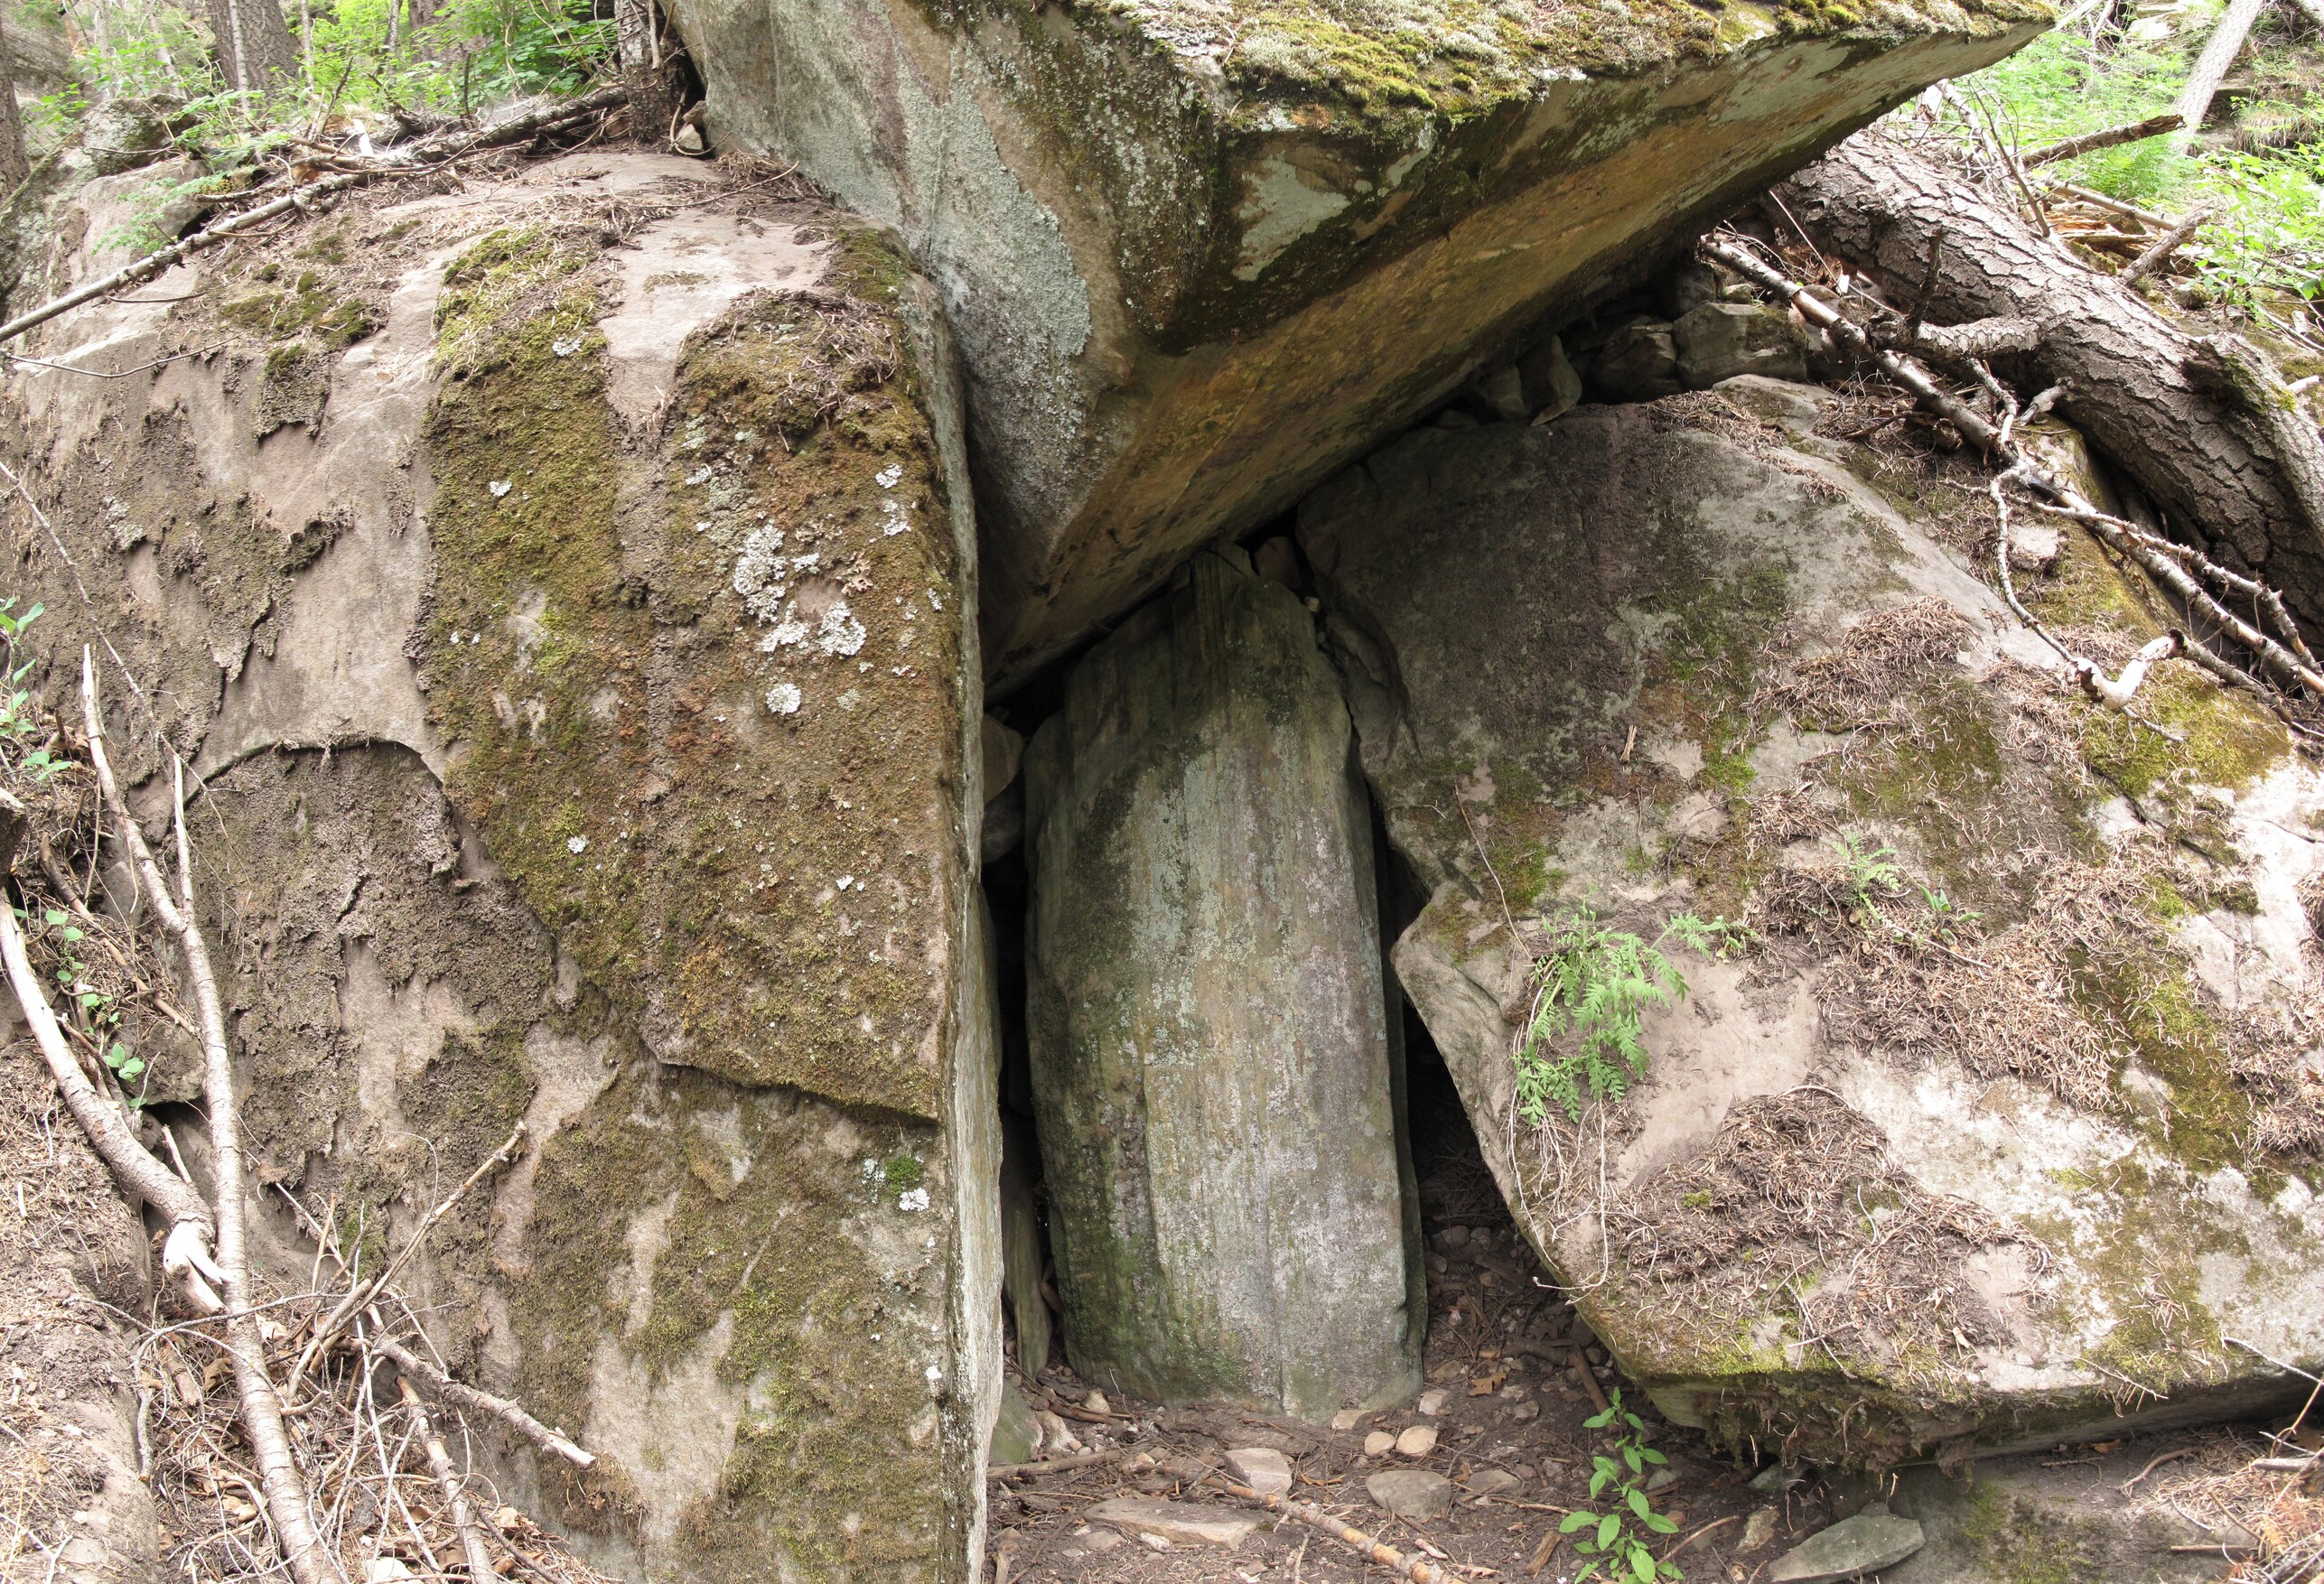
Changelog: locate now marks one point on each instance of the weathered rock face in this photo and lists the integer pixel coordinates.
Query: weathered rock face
(1205, 1015)
(581, 672)
(1198, 258)
(1999, 1121)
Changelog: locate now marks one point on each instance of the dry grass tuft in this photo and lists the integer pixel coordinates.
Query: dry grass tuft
(2224, 1493)
(1796, 1199)
(1860, 684)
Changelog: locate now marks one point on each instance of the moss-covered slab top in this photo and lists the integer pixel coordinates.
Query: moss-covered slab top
(1987, 1116)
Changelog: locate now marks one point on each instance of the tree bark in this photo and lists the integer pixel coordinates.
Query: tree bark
(2211, 69)
(14, 164)
(646, 54)
(256, 53)
(2134, 385)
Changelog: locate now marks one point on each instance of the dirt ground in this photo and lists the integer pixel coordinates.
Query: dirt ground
(1515, 1403)
(71, 1511)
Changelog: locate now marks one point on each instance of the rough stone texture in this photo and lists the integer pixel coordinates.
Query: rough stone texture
(1205, 1015)
(2004, 1521)
(1678, 659)
(1637, 363)
(1263, 1468)
(1850, 1549)
(1718, 340)
(576, 650)
(1411, 1493)
(1179, 1523)
(1199, 259)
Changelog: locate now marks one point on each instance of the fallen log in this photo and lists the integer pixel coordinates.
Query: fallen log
(2137, 387)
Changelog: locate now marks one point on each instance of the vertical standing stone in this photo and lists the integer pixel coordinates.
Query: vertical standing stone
(1208, 1039)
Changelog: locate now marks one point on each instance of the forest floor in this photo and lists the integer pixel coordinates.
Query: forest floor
(1510, 1436)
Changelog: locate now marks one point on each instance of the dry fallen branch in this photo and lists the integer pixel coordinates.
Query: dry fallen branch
(1419, 1570)
(445, 1388)
(2147, 263)
(471, 1541)
(186, 1251)
(2110, 137)
(262, 1409)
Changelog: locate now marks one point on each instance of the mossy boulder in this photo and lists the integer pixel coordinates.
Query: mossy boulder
(1988, 1117)
(584, 697)
(1198, 258)
(1209, 1044)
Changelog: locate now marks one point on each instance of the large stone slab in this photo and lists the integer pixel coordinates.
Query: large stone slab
(2000, 1120)
(1205, 1015)
(1199, 256)
(576, 647)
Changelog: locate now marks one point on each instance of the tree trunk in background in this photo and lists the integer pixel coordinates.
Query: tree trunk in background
(2135, 385)
(256, 53)
(13, 165)
(2211, 69)
(647, 54)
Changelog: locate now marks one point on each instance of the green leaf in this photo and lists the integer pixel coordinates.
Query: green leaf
(71, 935)
(1638, 1503)
(52, 918)
(1651, 1456)
(1660, 1524)
(1642, 1566)
(1598, 1482)
(1587, 1569)
(132, 1067)
(1607, 1527)
(1575, 1521)
(1630, 1456)
(1598, 1421)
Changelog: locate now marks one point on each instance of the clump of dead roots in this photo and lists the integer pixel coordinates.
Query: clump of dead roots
(1795, 1200)
(1860, 682)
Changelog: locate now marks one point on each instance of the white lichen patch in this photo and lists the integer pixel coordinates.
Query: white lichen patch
(840, 633)
(783, 698)
(758, 574)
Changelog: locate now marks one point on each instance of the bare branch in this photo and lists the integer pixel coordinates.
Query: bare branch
(2111, 137)
(186, 1252)
(479, 1561)
(262, 1410)
(2147, 263)
(442, 1385)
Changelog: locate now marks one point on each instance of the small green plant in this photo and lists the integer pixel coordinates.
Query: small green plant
(1616, 1544)
(1595, 986)
(19, 724)
(91, 1011)
(1872, 871)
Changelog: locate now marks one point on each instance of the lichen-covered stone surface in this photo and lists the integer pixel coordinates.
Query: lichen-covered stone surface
(564, 590)
(2001, 1116)
(1201, 255)
(1205, 1017)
